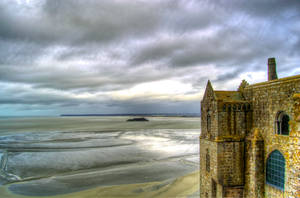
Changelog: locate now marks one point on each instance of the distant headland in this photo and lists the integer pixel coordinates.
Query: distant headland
(140, 115)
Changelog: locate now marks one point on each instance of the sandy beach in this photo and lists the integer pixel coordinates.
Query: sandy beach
(186, 186)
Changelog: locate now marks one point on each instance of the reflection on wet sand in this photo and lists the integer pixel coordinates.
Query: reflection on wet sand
(186, 186)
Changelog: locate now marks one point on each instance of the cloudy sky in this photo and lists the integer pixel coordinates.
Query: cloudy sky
(138, 56)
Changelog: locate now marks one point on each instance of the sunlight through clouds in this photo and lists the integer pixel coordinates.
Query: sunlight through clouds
(169, 88)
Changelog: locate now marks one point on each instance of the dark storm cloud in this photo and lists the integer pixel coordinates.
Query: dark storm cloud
(140, 105)
(264, 9)
(245, 35)
(158, 50)
(19, 52)
(228, 76)
(31, 101)
(99, 78)
(76, 22)
(75, 53)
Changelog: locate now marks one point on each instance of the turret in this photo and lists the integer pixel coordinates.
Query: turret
(272, 75)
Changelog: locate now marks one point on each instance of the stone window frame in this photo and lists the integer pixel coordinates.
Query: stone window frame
(282, 121)
(275, 170)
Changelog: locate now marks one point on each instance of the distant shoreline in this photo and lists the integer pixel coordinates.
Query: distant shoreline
(148, 115)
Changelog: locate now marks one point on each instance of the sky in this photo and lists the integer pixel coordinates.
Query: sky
(138, 56)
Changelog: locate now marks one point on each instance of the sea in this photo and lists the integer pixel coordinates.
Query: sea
(99, 156)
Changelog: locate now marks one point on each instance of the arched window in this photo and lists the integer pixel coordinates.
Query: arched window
(275, 170)
(282, 123)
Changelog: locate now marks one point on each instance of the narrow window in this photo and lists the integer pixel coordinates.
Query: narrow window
(208, 123)
(282, 123)
(285, 125)
(213, 189)
(207, 160)
(275, 170)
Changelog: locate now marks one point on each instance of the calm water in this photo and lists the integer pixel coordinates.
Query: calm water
(48, 151)
(73, 124)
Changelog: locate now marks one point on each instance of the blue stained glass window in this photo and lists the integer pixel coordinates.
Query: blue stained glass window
(276, 170)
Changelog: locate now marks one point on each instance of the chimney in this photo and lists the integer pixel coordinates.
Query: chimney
(272, 75)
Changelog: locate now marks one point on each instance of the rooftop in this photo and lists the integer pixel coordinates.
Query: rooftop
(272, 82)
(229, 96)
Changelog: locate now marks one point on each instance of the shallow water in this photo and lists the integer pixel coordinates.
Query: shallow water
(54, 155)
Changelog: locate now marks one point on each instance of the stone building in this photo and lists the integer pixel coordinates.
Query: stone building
(250, 139)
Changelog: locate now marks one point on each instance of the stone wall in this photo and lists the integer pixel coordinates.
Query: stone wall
(234, 119)
(226, 167)
(254, 163)
(205, 175)
(240, 134)
(293, 153)
(231, 161)
(209, 108)
(268, 99)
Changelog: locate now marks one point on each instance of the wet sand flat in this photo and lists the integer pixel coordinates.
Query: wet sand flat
(142, 162)
(139, 173)
(186, 186)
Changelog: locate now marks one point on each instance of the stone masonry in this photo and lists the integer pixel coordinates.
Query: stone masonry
(239, 131)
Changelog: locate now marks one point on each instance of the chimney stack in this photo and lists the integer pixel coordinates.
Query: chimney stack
(272, 75)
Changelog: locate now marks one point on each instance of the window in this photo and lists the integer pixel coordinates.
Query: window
(213, 189)
(275, 170)
(207, 160)
(282, 123)
(208, 123)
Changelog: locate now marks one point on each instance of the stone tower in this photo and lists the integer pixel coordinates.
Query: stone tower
(224, 124)
(272, 75)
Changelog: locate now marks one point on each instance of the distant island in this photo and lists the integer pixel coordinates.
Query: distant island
(137, 120)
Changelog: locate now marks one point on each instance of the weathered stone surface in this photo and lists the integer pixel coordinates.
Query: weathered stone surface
(238, 132)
